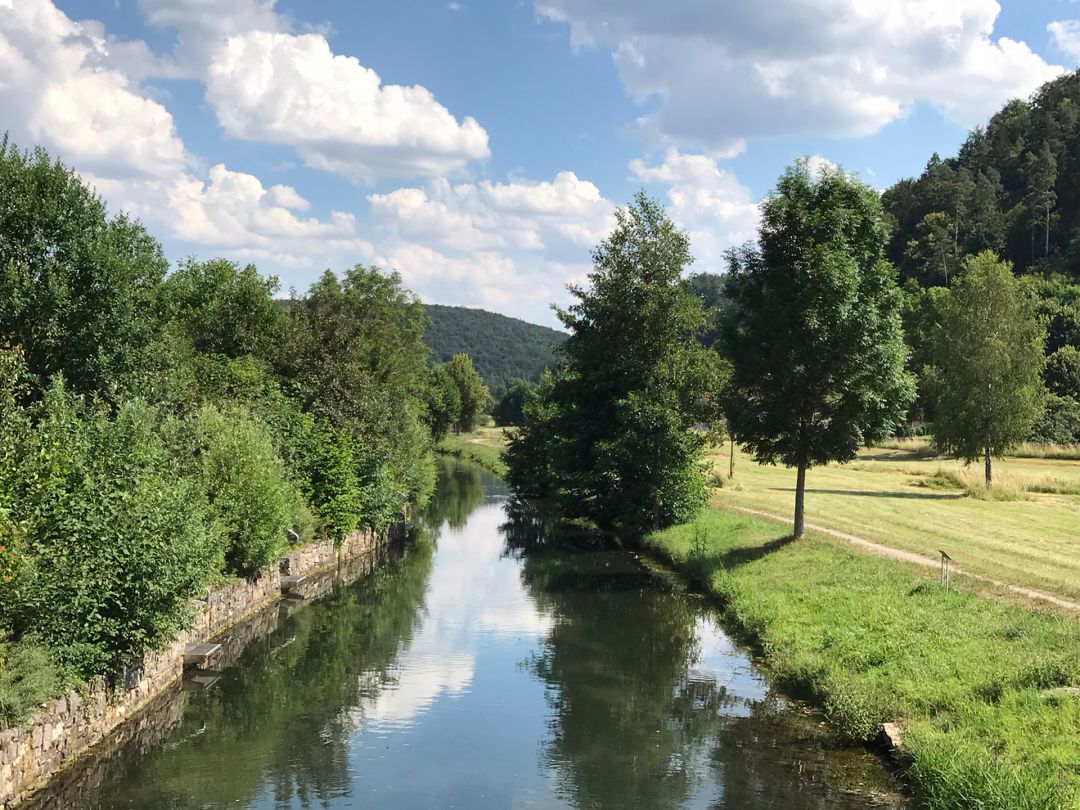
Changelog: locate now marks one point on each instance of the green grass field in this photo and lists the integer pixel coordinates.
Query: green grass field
(483, 446)
(1026, 532)
(985, 692)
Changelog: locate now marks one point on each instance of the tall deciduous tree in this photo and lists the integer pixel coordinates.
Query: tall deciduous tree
(611, 435)
(472, 393)
(76, 285)
(814, 331)
(989, 357)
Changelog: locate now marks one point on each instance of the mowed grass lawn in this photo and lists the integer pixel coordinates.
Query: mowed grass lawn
(901, 499)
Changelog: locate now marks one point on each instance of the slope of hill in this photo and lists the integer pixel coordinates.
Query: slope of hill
(501, 348)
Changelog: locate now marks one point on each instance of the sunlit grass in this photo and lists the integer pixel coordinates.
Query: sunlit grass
(976, 685)
(1024, 530)
(483, 446)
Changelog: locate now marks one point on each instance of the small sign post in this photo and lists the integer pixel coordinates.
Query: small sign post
(945, 571)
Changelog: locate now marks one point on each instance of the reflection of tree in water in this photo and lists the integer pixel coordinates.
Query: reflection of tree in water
(635, 725)
(459, 491)
(615, 662)
(284, 714)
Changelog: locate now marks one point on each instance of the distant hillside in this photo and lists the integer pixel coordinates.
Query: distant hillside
(501, 348)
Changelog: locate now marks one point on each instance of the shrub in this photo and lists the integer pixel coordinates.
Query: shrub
(28, 677)
(250, 496)
(332, 487)
(118, 540)
(1059, 422)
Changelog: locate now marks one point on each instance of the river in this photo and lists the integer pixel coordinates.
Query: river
(488, 666)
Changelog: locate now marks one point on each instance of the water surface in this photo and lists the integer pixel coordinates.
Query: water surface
(489, 666)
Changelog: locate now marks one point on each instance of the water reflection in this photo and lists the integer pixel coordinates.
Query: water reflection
(652, 704)
(499, 664)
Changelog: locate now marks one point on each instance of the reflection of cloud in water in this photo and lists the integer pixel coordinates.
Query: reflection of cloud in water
(720, 661)
(455, 624)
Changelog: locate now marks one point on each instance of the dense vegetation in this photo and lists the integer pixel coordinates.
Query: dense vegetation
(503, 349)
(609, 436)
(159, 432)
(1012, 190)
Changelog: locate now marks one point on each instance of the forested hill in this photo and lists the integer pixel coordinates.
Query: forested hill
(1012, 188)
(501, 348)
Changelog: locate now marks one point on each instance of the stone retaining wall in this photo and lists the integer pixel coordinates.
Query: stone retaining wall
(67, 727)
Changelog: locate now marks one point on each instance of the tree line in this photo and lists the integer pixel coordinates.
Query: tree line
(802, 357)
(162, 431)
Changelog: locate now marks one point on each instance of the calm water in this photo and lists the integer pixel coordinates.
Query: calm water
(490, 667)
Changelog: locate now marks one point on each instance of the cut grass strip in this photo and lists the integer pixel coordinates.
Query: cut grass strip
(980, 688)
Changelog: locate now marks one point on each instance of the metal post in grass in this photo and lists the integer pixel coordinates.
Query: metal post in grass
(945, 569)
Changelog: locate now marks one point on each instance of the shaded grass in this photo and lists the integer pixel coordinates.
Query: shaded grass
(972, 681)
(483, 446)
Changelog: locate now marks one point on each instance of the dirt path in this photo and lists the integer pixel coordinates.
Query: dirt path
(917, 559)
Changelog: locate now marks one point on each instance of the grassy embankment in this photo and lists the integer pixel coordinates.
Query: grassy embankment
(986, 692)
(483, 446)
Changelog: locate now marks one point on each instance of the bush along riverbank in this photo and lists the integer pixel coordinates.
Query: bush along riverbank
(66, 728)
(167, 431)
(985, 695)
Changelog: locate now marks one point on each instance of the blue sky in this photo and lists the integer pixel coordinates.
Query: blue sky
(479, 147)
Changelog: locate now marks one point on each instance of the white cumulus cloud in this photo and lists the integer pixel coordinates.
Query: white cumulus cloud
(711, 203)
(722, 72)
(1066, 37)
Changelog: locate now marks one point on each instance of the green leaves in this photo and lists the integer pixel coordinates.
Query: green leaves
(610, 436)
(813, 331)
(989, 357)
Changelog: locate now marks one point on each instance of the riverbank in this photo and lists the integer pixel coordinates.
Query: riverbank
(985, 694)
(69, 727)
(483, 446)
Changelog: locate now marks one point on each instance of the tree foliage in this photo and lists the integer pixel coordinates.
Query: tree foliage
(611, 436)
(158, 432)
(989, 358)
(502, 349)
(77, 287)
(814, 332)
(473, 395)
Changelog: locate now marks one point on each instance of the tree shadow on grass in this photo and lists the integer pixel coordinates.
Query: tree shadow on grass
(735, 557)
(878, 493)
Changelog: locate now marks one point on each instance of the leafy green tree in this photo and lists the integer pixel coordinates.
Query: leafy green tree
(1041, 170)
(931, 254)
(611, 435)
(443, 403)
(353, 354)
(250, 496)
(814, 332)
(223, 308)
(509, 409)
(472, 393)
(333, 488)
(120, 541)
(1062, 373)
(1059, 422)
(990, 358)
(77, 287)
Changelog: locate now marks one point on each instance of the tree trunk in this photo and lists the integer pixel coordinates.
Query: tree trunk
(989, 475)
(800, 493)
(731, 460)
